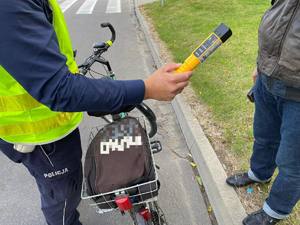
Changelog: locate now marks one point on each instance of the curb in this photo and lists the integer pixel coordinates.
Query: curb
(224, 200)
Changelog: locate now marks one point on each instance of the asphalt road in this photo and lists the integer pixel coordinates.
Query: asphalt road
(180, 197)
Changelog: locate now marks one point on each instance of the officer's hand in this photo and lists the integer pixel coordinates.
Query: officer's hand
(254, 74)
(164, 85)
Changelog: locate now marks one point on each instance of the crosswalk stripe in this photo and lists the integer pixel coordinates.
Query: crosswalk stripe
(113, 6)
(67, 4)
(87, 7)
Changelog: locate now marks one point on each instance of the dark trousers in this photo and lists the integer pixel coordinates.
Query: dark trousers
(277, 145)
(57, 170)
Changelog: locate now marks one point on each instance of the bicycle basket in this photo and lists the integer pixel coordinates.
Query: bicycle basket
(119, 160)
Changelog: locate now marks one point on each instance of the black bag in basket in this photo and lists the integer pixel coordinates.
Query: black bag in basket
(118, 157)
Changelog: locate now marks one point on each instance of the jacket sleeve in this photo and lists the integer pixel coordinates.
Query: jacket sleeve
(30, 53)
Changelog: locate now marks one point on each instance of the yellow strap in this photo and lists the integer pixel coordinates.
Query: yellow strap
(37, 127)
(63, 36)
(18, 103)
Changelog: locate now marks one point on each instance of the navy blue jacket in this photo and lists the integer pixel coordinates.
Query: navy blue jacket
(29, 51)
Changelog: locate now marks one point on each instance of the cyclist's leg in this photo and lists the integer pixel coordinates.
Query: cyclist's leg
(285, 192)
(58, 173)
(266, 128)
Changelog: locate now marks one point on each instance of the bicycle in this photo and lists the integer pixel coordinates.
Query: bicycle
(142, 206)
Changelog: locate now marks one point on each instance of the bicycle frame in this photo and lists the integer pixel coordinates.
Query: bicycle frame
(142, 205)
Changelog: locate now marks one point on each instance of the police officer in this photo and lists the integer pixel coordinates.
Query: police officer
(42, 97)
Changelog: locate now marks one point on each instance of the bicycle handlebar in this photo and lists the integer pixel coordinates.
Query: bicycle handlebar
(149, 114)
(112, 30)
(99, 49)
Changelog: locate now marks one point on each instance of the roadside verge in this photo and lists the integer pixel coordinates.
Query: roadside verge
(223, 199)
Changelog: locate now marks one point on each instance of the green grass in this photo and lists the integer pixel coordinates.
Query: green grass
(224, 79)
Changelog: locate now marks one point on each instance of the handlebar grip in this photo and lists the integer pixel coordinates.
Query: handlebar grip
(112, 30)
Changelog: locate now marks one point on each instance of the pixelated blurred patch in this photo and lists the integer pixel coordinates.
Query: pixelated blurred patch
(118, 168)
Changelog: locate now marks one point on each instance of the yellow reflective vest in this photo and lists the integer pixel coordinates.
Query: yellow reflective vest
(23, 120)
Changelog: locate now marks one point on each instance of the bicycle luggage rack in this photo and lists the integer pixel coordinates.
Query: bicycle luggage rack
(138, 194)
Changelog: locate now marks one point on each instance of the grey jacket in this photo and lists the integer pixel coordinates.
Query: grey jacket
(279, 42)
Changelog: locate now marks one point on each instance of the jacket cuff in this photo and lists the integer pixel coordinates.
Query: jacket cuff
(135, 91)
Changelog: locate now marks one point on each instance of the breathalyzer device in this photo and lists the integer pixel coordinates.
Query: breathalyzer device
(206, 48)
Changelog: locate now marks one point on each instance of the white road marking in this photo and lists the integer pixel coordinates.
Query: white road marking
(87, 7)
(67, 4)
(113, 6)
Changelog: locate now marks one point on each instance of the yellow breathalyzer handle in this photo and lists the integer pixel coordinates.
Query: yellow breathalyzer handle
(206, 48)
(189, 64)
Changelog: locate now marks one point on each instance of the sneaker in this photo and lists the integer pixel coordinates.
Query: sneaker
(239, 180)
(260, 218)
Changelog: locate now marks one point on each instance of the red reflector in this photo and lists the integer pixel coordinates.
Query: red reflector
(145, 213)
(124, 203)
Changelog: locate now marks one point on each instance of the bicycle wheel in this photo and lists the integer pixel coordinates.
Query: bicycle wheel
(137, 218)
(158, 217)
(141, 220)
